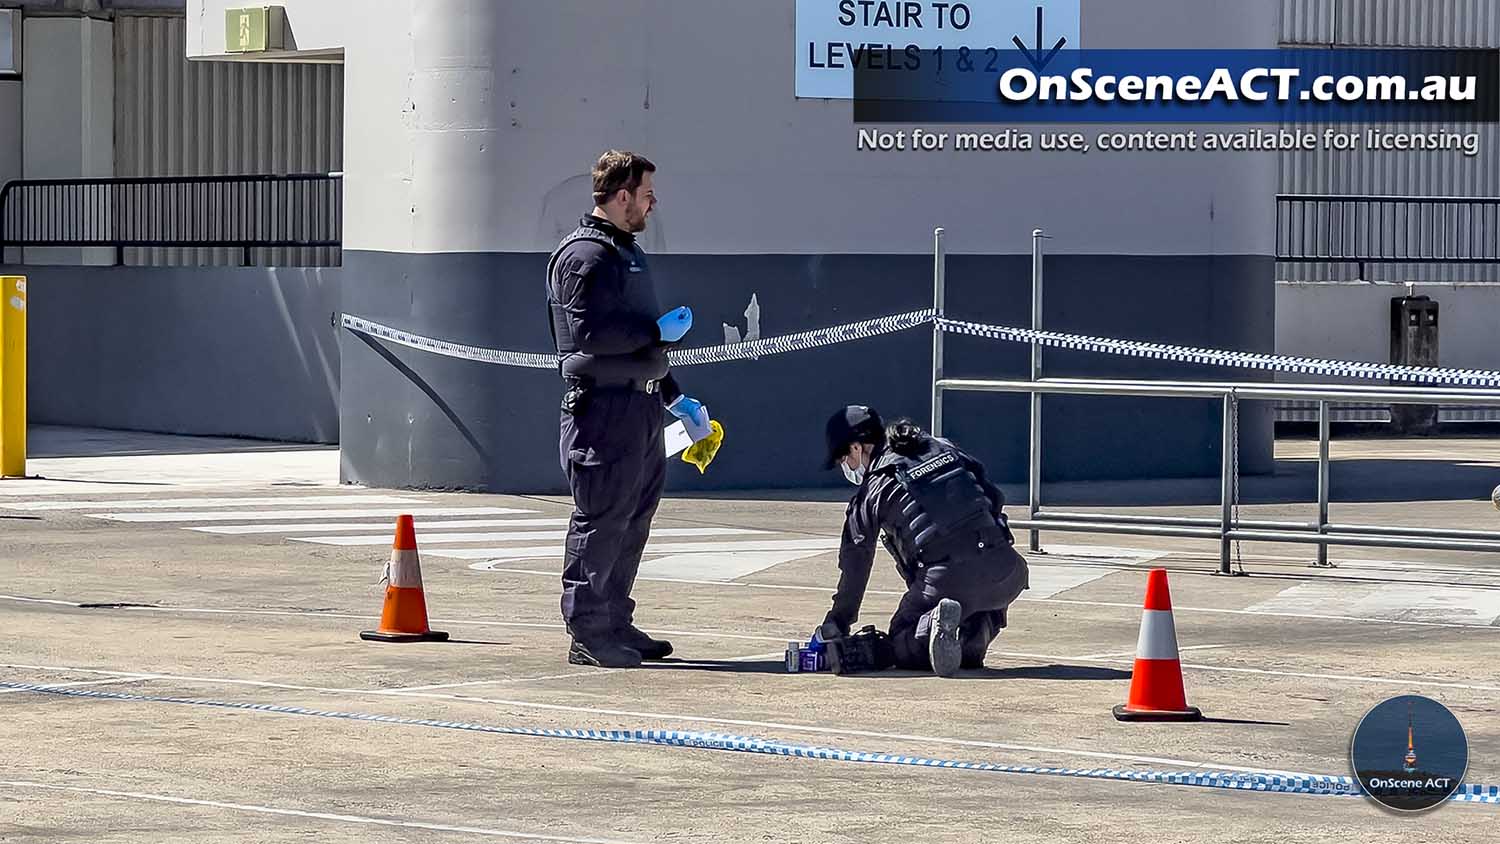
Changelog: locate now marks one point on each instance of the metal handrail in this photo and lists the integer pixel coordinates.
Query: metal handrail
(1367, 229)
(244, 211)
(1227, 528)
(1373, 197)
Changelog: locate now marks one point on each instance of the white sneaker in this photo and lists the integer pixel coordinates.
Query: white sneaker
(943, 645)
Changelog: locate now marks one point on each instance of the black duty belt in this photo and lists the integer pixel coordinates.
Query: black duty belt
(650, 386)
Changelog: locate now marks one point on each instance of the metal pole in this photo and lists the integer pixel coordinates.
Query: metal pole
(1036, 301)
(1323, 424)
(939, 261)
(1226, 484)
(1034, 474)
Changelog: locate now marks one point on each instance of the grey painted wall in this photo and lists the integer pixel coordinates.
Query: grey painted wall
(226, 351)
(413, 419)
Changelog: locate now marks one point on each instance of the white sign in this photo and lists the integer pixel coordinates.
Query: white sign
(836, 36)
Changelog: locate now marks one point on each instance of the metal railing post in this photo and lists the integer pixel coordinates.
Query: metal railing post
(1036, 300)
(1034, 469)
(1323, 480)
(939, 261)
(1226, 483)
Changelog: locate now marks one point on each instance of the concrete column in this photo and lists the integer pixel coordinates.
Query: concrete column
(67, 123)
(10, 139)
(426, 186)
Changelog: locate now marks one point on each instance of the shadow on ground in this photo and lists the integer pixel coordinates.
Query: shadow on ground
(47, 441)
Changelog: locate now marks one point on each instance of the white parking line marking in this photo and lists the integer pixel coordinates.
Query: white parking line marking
(279, 515)
(1131, 654)
(170, 503)
(325, 816)
(555, 552)
(422, 527)
(425, 536)
(492, 682)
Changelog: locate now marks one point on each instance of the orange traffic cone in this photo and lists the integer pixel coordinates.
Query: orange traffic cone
(1156, 692)
(404, 617)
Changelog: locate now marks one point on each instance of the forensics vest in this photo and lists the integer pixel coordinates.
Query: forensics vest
(947, 513)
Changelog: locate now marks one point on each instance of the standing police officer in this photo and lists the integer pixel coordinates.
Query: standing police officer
(613, 349)
(942, 521)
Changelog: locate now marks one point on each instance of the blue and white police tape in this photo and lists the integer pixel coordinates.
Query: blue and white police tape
(1220, 357)
(528, 360)
(816, 338)
(1313, 784)
(747, 350)
(848, 332)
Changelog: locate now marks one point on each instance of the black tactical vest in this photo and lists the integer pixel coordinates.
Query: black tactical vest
(948, 513)
(562, 337)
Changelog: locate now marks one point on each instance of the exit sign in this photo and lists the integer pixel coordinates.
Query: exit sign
(254, 30)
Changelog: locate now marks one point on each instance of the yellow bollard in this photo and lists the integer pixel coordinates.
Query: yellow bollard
(12, 376)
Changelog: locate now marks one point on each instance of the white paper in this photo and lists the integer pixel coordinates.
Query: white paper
(676, 438)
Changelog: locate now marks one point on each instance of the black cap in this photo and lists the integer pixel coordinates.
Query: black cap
(854, 423)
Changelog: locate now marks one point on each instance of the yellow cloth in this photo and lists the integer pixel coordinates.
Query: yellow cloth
(702, 452)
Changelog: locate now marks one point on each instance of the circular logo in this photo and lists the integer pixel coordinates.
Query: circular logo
(1409, 753)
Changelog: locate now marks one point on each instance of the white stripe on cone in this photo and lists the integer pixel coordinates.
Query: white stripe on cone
(1158, 636)
(406, 571)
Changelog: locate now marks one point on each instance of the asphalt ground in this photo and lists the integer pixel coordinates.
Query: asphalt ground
(193, 608)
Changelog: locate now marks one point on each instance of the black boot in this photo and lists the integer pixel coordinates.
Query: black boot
(943, 646)
(632, 637)
(603, 654)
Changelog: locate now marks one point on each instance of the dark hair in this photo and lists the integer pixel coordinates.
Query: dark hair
(905, 438)
(618, 170)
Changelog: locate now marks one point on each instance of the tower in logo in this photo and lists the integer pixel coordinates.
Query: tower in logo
(1410, 763)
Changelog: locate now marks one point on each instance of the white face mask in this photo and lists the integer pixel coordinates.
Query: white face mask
(853, 476)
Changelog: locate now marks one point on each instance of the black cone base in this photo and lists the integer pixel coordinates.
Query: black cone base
(429, 636)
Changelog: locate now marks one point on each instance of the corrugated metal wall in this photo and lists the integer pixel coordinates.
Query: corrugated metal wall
(1394, 23)
(1391, 23)
(179, 118)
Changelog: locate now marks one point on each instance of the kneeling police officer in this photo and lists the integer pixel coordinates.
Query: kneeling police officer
(942, 521)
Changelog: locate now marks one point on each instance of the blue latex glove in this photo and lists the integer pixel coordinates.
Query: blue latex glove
(674, 324)
(826, 632)
(693, 414)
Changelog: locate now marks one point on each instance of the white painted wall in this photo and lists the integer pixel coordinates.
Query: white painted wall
(1352, 322)
(67, 122)
(473, 124)
(314, 25)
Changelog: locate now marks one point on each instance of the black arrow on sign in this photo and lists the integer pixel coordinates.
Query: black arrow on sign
(1037, 60)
